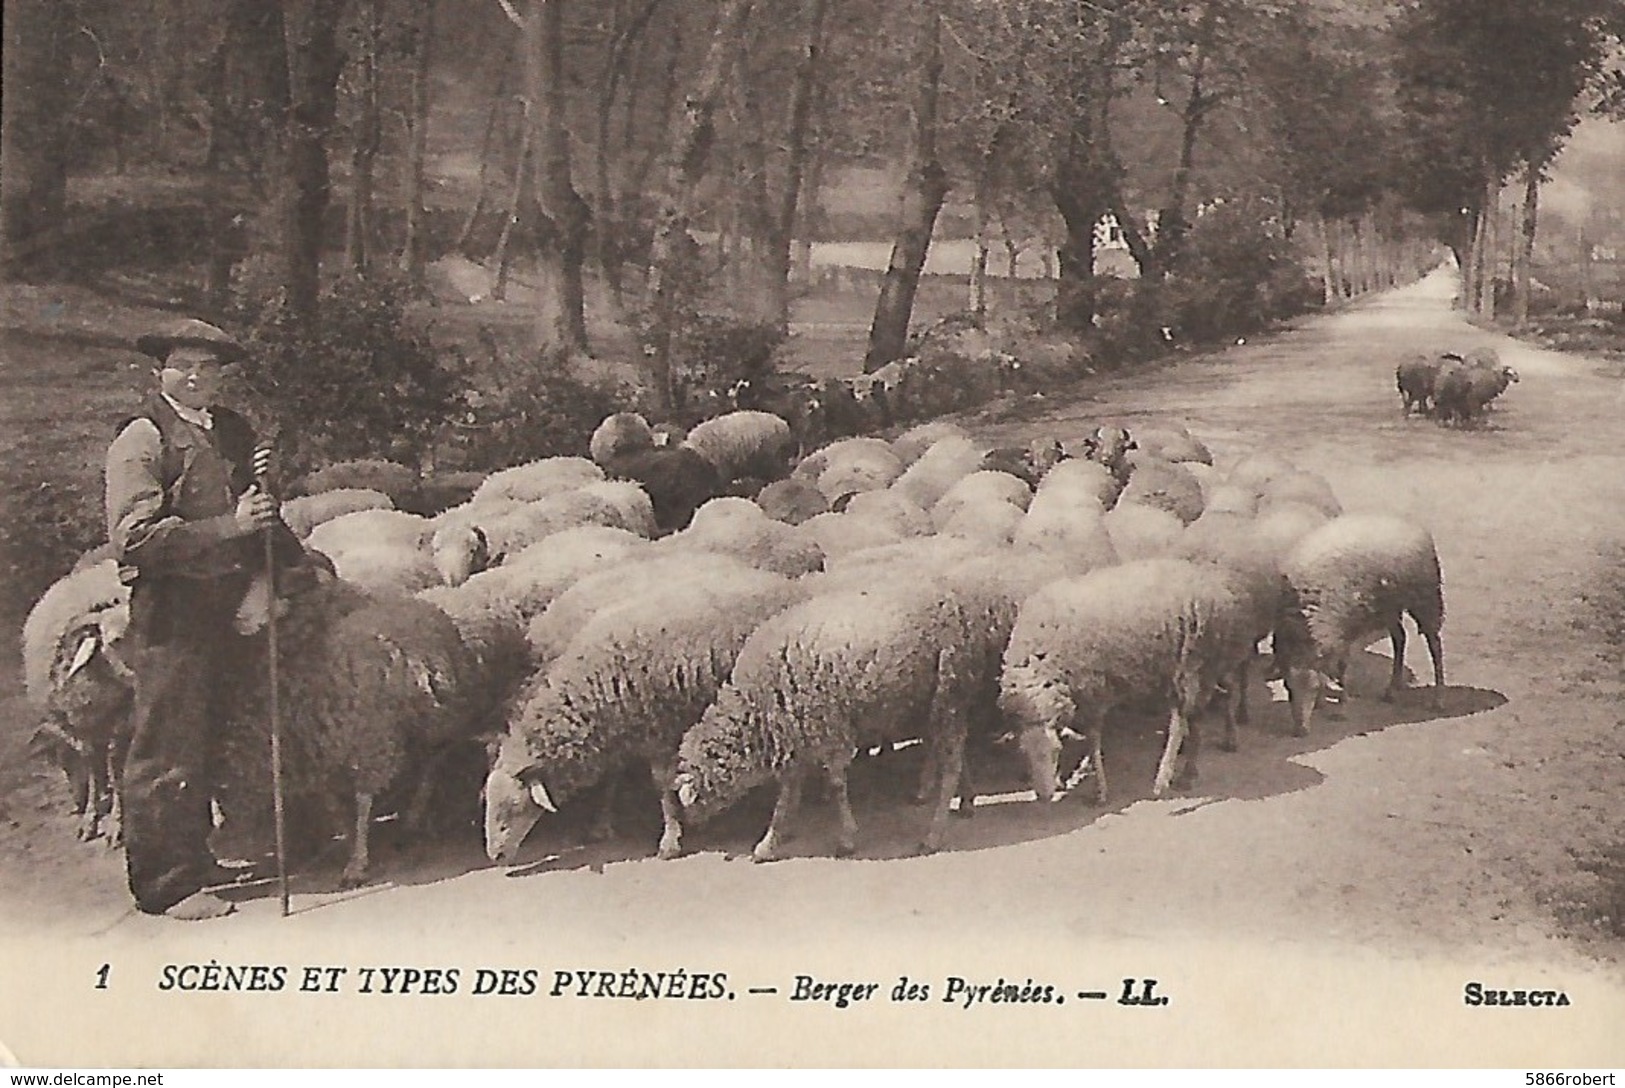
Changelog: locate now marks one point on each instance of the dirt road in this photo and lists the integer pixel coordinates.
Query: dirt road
(1313, 901)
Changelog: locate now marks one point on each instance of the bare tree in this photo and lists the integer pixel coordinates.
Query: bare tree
(314, 63)
(690, 151)
(923, 194)
(414, 252)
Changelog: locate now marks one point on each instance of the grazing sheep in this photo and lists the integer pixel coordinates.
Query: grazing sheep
(854, 466)
(1304, 488)
(1029, 464)
(1463, 392)
(370, 528)
(372, 690)
(890, 507)
(1142, 532)
(839, 534)
(511, 532)
(303, 514)
(78, 682)
(816, 682)
(618, 435)
(1257, 469)
(1415, 378)
(1230, 499)
(1175, 444)
(1109, 447)
(948, 461)
(739, 528)
(1276, 531)
(635, 678)
(1071, 530)
(538, 479)
(553, 629)
(1080, 481)
(1164, 632)
(741, 444)
(1348, 581)
(992, 522)
(633, 509)
(980, 487)
(677, 480)
(912, 443)
(395, 480)
(792, 501)
(1165, 486)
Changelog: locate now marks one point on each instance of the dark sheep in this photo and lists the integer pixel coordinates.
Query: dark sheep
(677, 479)
(1463, 392)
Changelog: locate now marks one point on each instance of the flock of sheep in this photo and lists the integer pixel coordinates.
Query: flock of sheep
(1452, 387)
(731, 614)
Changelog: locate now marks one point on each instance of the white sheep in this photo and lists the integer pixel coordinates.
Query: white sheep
(857, 467)
(538, 479)
(635, 678)
(619, 434)
(1164, 485)
(1350, 580)
(738, 527)
(1155, 631)
(79, 683)
(1142, 532)
(303, 514)
(1076, 530)
(912, 443)
(980, 487)
(839, 534)
(746, 444)
(944, 464)
(891, 507)
(1080, 479)
(553, 629)
(396, 480)
(1307, 488)
(825, 677)
(812, 466)
(793, 501)
(991, 522)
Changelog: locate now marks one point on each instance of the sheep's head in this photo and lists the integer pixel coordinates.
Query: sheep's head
(512, 807)
(1044, 454)
(1108, 446)
(461, 552)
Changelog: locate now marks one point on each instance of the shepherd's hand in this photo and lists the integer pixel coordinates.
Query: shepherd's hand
(264, 462)
(255, 511)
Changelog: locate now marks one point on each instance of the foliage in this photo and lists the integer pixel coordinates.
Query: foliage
(362, 383)
(521, 409)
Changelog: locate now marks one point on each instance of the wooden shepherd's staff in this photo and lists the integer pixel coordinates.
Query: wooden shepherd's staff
(262, 478)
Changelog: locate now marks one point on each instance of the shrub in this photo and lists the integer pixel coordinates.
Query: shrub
(362, 383)
(520, 408)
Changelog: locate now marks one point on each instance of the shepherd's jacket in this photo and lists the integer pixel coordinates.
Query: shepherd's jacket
(172, 491)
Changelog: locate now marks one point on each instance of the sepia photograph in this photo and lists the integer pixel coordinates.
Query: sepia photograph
(697, 534)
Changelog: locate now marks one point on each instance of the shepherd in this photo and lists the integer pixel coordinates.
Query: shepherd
(188, 519)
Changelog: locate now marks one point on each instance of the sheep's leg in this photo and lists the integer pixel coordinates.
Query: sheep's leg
(1235, 704)
(1097, 728)
(1177, 728)
(966, 787)
(1396, 678)
(783, 811)
(1436, 652)
(847, 843)
(603, 827)
(671, 811)
(1191, 746)
(925, 789)
(951, 763)
(355, 871)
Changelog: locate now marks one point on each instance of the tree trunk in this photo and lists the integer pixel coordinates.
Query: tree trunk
(690, 151)
(634, 199)
(314, 63)
(561, 324)
(523, 167)
(498, 101)
(1526, 243)
(34, 181)
(803, 93)
(923, 194)
(415, 250)
(1484, 304)
(1172, 223)
(368, 135)
(1330, 293)
(607, 213)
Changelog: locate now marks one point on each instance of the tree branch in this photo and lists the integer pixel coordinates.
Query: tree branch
(513, 16)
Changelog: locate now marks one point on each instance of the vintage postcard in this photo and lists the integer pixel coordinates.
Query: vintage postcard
(812, 533)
